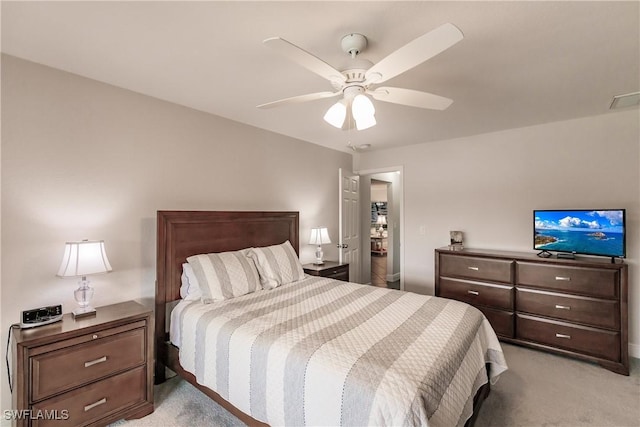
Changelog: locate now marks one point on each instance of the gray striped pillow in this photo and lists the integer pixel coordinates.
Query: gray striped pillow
(277, 265)
(224, 275)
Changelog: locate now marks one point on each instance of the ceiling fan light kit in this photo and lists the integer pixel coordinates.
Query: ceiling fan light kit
(336, 114)
(355, 84)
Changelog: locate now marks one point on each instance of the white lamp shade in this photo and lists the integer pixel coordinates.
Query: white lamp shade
(84, 258)
(381, 219)
(336, 114)
(319, 236)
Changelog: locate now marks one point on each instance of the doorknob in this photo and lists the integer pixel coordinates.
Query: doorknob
(342, 246)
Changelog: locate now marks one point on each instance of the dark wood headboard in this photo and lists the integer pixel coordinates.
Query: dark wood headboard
(182, 234)
(185, 233)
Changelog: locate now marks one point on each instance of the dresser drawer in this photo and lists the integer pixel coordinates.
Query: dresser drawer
(494, 270)
(586, 310)
(75, 365)
(95, 401)
(598, 282)
(583, 339)
(502, 322)
(490, 295)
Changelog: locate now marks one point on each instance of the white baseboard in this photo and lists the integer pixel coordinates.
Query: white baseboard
(393, 277)
(634, 350)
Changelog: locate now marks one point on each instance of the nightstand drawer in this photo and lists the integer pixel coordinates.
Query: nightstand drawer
(338, 274)
(95, 401)
(330, 269)
(69, 367)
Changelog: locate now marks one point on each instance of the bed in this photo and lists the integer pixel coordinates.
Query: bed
(314, 351)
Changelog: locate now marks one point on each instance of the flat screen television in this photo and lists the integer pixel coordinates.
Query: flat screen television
(588, 232)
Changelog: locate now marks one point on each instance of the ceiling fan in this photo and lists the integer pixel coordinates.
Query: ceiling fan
(354, 84)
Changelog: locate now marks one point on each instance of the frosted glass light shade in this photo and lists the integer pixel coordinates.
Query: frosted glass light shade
(362, 107)
(363, 112)
(365, 122)
(336, 114)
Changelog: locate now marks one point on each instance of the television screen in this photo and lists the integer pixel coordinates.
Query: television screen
(589, 232)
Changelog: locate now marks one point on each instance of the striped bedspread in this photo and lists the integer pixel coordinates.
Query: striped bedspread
(323, 352)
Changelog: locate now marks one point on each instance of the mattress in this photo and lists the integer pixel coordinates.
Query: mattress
(326, 352)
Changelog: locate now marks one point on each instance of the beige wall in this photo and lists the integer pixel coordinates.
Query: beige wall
(81, 159)
(488, 186)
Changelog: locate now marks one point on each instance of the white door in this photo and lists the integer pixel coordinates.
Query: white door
(349, 220)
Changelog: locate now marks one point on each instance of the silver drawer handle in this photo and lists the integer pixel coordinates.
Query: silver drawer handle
(93, 405)
(563, 336)
(473, 268)
(473, 292)
(563, 278)
(95, 362)
(563, 307)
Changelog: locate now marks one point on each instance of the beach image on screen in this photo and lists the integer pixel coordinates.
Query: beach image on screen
(586, 232)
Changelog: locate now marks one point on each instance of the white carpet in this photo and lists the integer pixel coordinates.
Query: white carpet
(539, 389)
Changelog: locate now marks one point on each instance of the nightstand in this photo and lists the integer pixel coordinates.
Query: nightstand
(92, 370)
(332, 269)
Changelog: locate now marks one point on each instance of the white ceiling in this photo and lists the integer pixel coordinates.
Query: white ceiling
(519, 64)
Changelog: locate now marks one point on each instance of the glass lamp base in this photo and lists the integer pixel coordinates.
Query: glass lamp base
(319, 256)
(83, 296)
(83, 312)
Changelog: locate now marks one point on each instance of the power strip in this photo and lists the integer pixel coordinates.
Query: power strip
(41, 316)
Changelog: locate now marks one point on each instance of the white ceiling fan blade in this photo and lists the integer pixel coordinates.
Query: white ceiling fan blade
(413, 98)
(304, 58)
(300, 98)
(414, 53)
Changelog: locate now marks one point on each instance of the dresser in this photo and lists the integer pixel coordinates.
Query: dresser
(86, 371)
(576, 307)
(332, 269)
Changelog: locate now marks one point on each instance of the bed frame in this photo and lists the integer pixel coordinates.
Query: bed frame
(185, 233)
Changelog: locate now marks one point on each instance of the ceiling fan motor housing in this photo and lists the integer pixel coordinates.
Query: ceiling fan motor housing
(353, 44)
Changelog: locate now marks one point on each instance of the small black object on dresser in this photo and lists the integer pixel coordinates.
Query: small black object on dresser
(332, 269)
(575, 307)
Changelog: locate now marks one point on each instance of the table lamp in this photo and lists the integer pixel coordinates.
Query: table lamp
(81, 259)
(319, 236)
(381, 221)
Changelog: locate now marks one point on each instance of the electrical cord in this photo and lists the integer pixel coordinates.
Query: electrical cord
(15, 325)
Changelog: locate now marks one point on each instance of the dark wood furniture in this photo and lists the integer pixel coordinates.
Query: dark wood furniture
(378, 245)
(185, 233)
(88, 371)
(331, 269)
(571, 307)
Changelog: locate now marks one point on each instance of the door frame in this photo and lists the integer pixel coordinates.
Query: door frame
(374, 171)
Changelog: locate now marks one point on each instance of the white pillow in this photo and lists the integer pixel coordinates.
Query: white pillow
(190, 288)
(277, 265)
(224, 275)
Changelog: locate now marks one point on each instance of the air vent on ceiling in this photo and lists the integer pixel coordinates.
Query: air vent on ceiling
(626, 100)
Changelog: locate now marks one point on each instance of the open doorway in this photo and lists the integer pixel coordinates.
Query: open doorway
(381, 215)
(381, 233)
